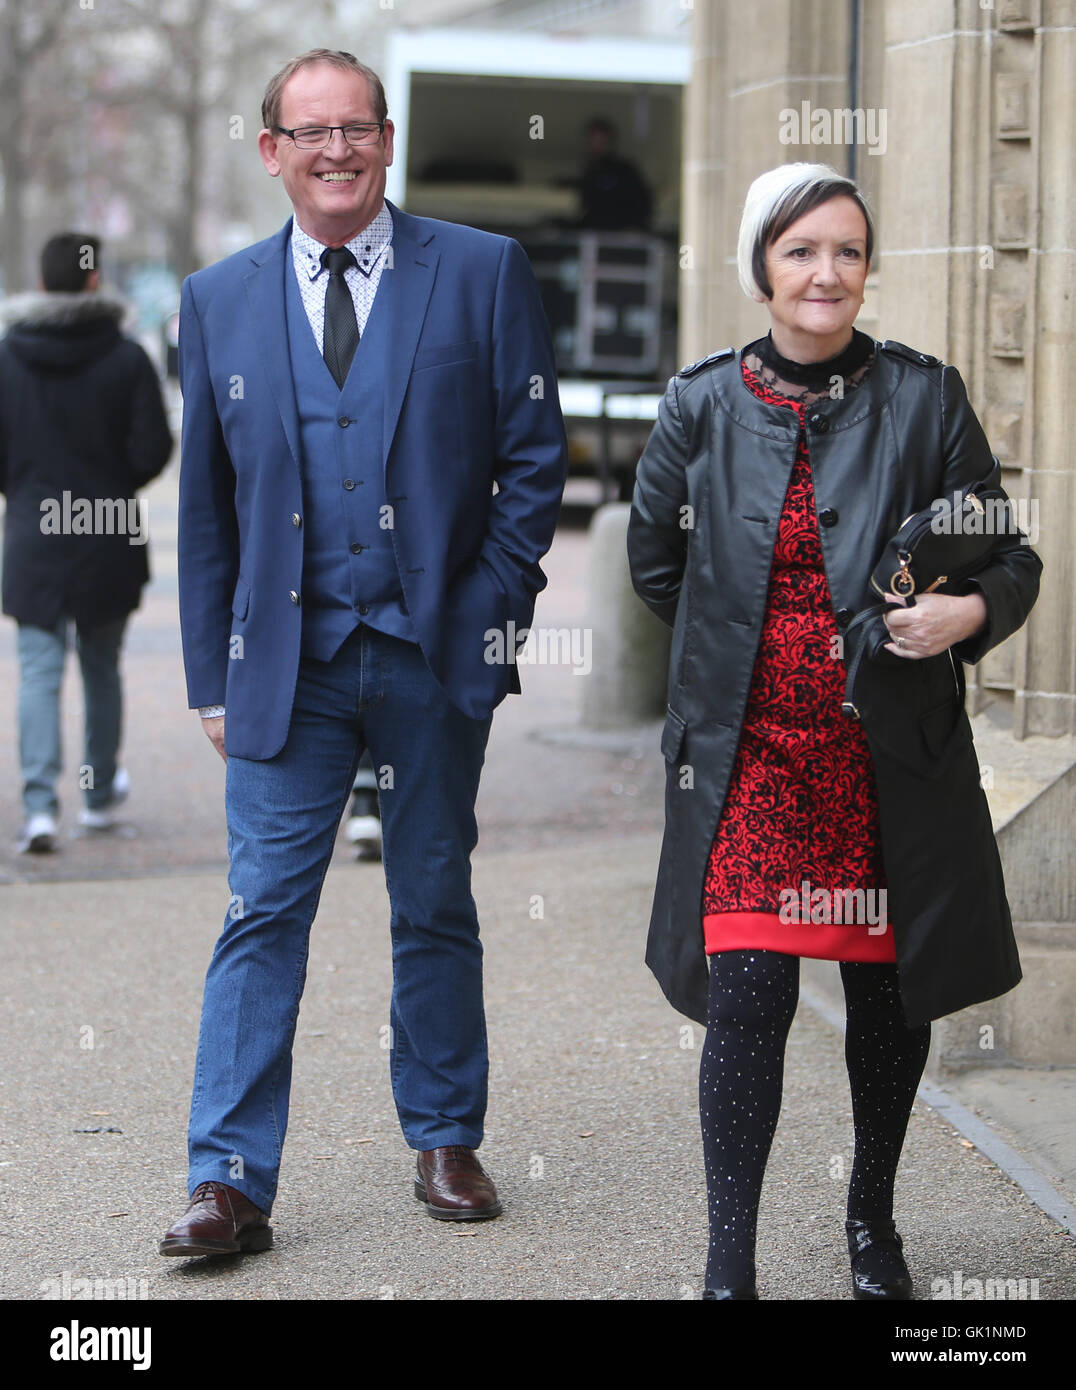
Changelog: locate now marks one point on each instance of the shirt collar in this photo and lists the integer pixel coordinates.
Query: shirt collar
(367, 246)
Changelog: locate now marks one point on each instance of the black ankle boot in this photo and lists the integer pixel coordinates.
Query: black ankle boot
(878, 1268)
(741, 1291)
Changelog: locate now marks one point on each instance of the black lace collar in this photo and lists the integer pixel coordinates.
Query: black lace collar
(816, 375)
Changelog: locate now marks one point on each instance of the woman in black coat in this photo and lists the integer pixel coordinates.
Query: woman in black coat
(767, 492)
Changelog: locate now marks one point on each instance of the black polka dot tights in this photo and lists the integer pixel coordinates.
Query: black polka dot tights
(753, 998)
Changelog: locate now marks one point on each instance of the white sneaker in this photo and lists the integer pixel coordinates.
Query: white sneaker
(101, 818)
(364, 832)
(38, 835)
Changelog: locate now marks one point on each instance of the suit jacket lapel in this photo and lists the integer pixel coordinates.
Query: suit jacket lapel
(409, 279)
(264, 285)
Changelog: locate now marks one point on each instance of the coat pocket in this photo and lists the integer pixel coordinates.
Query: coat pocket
(941, 725)
(241, 599)
(672, 736)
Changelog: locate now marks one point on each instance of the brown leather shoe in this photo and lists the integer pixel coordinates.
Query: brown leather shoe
(219, 1221)
(453, 1185)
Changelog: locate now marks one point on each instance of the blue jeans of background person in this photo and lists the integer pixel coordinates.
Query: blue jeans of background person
(42, 652)
(283, 815)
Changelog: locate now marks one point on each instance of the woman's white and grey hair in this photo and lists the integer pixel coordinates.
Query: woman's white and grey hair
(774, 201)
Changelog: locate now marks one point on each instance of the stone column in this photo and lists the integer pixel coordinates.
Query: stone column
(978, 267)
(747, 73)
(631, 646)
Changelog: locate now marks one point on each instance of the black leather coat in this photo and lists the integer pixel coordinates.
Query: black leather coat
(709, 492)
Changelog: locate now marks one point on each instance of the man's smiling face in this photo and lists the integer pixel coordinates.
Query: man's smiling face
(338, 190)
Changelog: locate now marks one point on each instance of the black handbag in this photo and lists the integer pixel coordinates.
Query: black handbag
(946, 542)
(942, 545)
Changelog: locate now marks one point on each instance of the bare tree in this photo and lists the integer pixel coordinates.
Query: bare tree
(185, 78)
(28, 30)
(113, 104)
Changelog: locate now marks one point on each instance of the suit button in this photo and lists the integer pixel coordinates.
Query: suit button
(364, 608)
(343, 422)
(293, 596)
(349, 484)
(296, 519)
(829, 516)
(356, 548)
(844, 616)
(818, 422)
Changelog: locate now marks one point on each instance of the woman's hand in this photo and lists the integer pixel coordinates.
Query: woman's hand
(937, 622)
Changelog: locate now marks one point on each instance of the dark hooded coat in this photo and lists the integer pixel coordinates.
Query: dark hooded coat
(81, 413)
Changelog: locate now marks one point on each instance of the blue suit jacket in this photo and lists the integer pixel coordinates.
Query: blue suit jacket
(470, 403)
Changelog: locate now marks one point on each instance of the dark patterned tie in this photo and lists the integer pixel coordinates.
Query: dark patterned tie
(341, 326)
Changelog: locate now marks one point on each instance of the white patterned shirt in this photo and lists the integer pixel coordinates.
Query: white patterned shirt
(371, 249)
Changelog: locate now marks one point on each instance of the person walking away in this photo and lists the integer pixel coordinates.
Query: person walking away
(82, 430)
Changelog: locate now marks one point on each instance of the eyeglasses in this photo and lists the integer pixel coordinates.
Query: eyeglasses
(316, 137)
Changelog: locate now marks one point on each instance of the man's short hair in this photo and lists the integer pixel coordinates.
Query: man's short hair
(339, 59)
(68, 260)
(774, 201)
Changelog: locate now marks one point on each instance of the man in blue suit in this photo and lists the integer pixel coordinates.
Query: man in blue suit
(373, 459)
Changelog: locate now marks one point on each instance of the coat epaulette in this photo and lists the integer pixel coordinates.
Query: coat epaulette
(921, 359)
(694, 367)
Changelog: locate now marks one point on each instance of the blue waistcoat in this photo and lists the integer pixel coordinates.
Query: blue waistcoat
(350, 573)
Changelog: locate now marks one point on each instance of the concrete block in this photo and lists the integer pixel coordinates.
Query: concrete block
(627, 683)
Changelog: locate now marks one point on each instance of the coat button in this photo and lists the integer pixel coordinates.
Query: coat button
(296, 519)
(364, 608)
(844, 616)
(343, 422)
(829, 516)
(356, 548)
(349, 484)
(293, 596)
(818, 422)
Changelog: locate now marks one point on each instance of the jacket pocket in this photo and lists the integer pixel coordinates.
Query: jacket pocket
(241, 599)
(672, 736)
(444, 356)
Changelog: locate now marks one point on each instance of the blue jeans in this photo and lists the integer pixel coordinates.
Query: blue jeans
(42, 652)
(283, 815)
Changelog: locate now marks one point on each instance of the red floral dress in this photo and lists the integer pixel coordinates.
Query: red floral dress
(796, 863)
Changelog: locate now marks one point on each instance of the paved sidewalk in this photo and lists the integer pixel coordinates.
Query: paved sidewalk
(593, 1124)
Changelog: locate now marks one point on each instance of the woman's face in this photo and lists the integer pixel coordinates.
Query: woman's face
(817, 270)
